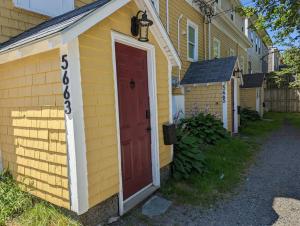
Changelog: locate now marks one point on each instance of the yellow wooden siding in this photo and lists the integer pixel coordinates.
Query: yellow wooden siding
(32, 126)
(14, 21)
(99, 103)
(176, 8)
(248, 98)
(207, 99)
(79, 3)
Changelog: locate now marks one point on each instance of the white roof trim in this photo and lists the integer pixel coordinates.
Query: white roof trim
(90, 20)
(160, 33)
(86, 23)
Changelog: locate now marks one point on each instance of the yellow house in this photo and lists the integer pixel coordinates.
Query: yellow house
(199, 37)
(82, 105)
(252, 92)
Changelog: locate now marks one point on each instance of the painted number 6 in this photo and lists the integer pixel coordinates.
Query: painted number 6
(66, 81)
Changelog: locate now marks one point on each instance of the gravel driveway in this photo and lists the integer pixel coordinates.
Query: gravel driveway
(269, 196)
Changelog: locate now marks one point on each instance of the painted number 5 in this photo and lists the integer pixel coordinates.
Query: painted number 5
(66, 81)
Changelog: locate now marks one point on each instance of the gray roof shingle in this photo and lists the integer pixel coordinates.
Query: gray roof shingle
(253, 80)
(210, 71)
(52, 26)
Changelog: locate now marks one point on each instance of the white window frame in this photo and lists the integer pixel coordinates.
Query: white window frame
(42, 7)
(231, 52)
(195, 27)
(155, 3)
(219, 48)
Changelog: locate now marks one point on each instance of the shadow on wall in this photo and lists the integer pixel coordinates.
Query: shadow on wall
(33, 145)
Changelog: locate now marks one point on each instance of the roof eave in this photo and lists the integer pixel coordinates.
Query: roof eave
(31, 48)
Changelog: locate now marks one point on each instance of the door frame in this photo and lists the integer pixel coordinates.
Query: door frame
(151, 62)
(236, 114)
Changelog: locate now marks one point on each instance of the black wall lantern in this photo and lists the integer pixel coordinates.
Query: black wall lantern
(140, 26)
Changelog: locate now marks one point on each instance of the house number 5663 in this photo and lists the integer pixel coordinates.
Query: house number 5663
(66, 81)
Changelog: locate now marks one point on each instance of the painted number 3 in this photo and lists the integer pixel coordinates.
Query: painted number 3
(66, 81)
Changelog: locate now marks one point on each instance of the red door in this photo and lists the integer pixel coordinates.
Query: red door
(134, 111)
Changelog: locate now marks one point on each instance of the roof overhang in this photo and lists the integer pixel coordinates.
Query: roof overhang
(28, 47)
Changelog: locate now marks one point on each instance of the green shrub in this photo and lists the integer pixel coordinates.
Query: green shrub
(206, 128)
(248, 115)
(188, 157)
(13, 201)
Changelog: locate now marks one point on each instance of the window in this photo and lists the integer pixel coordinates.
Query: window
(50, 8)
(259, 46)
(231, 52)
(155, 3)
(251, 36)
(217, 48)
(256, 44)
(218, 3)
(192, 41)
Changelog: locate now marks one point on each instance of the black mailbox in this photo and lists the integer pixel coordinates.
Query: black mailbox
(169, 134)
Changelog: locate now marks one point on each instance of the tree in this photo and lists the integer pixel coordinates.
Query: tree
(289, 75)
(280, 16)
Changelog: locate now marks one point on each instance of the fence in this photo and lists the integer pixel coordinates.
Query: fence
(282, 99)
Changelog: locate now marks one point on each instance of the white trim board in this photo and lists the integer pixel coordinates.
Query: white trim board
(120, 38)
(224, 104)
(236, 115)
(77, 162)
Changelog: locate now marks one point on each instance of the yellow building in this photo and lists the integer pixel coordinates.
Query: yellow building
(199, 37)
(252, 92)
(82, 106)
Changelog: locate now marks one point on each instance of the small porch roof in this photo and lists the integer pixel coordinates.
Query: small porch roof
(210, 71)
(253, 80)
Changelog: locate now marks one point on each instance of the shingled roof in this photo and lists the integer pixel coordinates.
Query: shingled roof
(52, 26)
(253, 80)
(210, 71)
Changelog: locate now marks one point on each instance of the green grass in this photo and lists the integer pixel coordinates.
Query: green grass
(18, 208)
(13, 201)
(43, 214)
(226, 164)
(293, 118)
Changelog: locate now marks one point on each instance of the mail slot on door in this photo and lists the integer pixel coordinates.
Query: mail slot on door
(169, 131)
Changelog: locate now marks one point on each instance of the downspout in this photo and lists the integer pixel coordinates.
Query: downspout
(178, 41)
(209, 41)
(167, 16)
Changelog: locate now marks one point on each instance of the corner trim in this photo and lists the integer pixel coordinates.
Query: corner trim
(77, 161)
(224, 107)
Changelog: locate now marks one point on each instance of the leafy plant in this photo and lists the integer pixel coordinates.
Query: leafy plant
(206, 128)
(248, 115)
(13, 201)
(188, 157)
